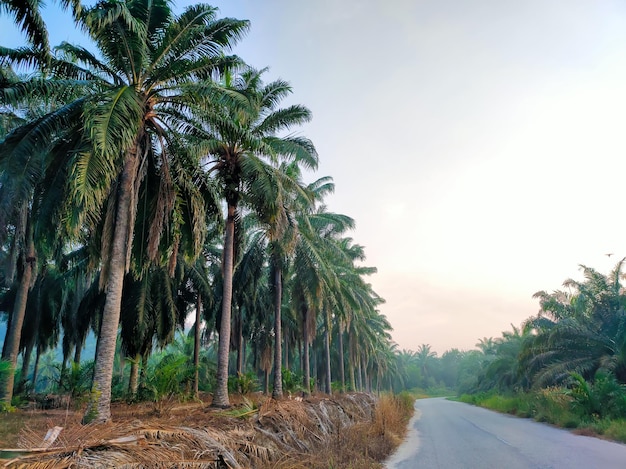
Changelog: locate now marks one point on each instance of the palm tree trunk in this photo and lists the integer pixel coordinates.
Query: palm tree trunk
(366, 381)
(359, 371)
(220, 399)
(277, 392)
(25, 365)
(100, 407)
(63, 373)
(240, 350)
(78, 352)
(244, 351)
(133, 380)
(305, 354)
(142, 371)
(351, 362)
(313, 359)
(12, 340)
(342, 369)
(36, 368)
(286, 352)
(327, 350)
(196, 349)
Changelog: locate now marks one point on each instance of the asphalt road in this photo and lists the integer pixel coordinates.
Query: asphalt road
(450, 435)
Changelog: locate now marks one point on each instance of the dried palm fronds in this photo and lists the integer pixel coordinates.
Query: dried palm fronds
(278, 432)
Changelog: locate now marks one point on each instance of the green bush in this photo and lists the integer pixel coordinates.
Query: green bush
(605, 397)
(76, 378)
(168, 377)
(292, 382)
(244, 383)
(616, 430)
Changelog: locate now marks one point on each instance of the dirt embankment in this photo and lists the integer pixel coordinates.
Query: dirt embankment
(352, 430)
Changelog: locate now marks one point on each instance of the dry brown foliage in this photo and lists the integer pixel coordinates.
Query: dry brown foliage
(347, 431)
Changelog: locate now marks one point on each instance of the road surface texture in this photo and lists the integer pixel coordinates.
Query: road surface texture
(451, 435)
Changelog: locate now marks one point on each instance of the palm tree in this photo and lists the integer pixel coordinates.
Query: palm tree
(282, 235)
(579, 331)
(424, 357)
(244, 140)
(32, 184)
(154, 78)
(27, 15)
(353, 297)
(504, 371)
(314, 276)
(150, 316)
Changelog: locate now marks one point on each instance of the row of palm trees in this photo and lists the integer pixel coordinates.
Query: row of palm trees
(154, 174)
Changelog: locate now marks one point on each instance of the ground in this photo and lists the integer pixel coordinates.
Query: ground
(354, 430)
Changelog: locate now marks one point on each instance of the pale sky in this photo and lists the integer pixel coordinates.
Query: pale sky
(480, 145)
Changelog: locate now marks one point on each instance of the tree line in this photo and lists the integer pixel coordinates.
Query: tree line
(155, 176)
(565, 365)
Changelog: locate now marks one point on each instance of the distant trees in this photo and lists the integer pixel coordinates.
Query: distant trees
(579, 333)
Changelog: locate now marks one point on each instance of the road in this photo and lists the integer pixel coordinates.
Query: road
(451, 435)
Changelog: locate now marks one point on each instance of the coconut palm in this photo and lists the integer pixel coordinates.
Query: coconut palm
(244, 145)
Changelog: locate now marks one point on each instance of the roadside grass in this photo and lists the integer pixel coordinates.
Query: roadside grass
(552, 405)
(364, 445)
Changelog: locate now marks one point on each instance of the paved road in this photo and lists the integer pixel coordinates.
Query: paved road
(452, 435)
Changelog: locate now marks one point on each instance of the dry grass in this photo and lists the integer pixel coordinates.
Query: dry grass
(349, 431)
(363, 442)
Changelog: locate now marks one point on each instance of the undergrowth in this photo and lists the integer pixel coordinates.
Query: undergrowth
(574, 408)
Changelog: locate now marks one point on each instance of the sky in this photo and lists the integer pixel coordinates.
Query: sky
(479, 145)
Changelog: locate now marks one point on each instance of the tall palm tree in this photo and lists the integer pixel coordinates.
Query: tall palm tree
(282, 235)
(32, 184)
(245, 144)
(154, 78)
(313, 274)
(424, 357)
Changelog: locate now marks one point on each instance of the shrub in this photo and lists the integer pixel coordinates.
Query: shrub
(292, 382)
(244, 383)
(616, 430)
(605, 397)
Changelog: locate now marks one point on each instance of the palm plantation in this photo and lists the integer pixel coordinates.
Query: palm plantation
(243, 144)
(144, 154)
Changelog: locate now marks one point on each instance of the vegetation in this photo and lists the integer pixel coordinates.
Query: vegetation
(153, 178)
(566, 364)
(350, 430)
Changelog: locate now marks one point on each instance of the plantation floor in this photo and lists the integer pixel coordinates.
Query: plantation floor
(349, 431)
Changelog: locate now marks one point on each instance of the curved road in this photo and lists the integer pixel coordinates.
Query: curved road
(451, 435)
